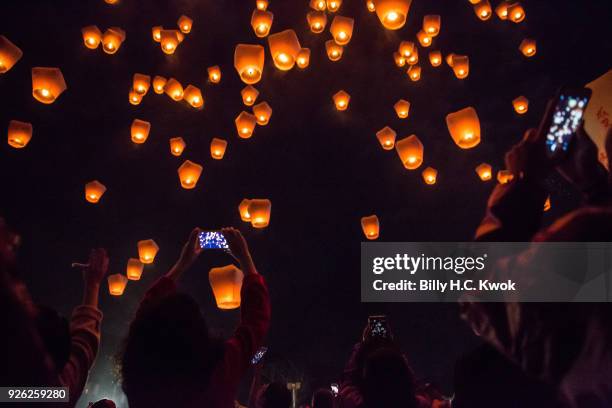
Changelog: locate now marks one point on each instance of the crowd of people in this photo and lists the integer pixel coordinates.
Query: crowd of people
(532, 355)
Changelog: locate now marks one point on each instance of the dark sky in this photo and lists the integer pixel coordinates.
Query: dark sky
(322, 169)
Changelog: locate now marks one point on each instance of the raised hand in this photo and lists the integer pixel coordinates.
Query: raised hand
(97, 267)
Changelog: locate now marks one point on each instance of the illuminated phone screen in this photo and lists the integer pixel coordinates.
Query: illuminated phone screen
(565, 122)
(212, 240)
(378, 328)
(259, 355)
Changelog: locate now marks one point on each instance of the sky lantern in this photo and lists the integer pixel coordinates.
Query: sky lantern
(424, 38)
(245, 124)
(521, 105)
(333, 5)
(111, 1)
(410, 151)
(169, 40)
(249, 62)
(92, 36)
(449, 59)
(484, 171)
(193, 96)
(159, 83)
(112, 39)
(414, 72)
(435, 58)
(19, 134)
(177, 146)
(140, 131)
(249, 95)
(9, 54)
(94, 190)
(262, 112)
(259, 210)
(406, 48)
(214, 74)
(461, 66)
(317, 20)
(414, 58)
(184, 24)
(464, 127)
(134, 268)
(261, 5)
(430, 175)
(147, 250)
(261, 21)
(226, 284)
(431, 24)
(370, 226)
(399, 59)
(392, 13)
(342, 29)
(341, 100)
(116, 282)
(243, 209)
(217, 148)
(303, 58)
(502, 10)
(370, 6)
(174, 89)
(528, 47)
(516, 12)
(134, 97)
(318, 5)
(334, 51)
(156, 33)
(402, 108)
(141, 83)
(483, 10)
(386, 137)
(547, 204)
(189, 174)
(504, 176)
(284, 48)
(47, 84)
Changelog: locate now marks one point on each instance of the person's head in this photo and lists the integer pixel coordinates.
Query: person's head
(103, 403)
(274, 395)
(54, 331)
(323, 398)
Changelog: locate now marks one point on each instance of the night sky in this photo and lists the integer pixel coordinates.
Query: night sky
(322, 169)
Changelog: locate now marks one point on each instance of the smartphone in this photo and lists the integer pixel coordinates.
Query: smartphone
(378, 327)
(334, 389)
(259, 355)
(565, 120)
(213, 240)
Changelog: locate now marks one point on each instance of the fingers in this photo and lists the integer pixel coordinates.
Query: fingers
(530, 135)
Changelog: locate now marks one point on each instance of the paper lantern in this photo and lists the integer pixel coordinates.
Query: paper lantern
(464, 127)
(117, 284)
(402, 108)
(193, 96)
(226, 284)
(217, 148)
(431, 24)
(140, 131)
(47, 84)
(284, 48)
(112, 40)
(414, 72)
(262, 112)
(317, 20)
(333, 5)
(318, 5)
(303, 58)
(147, 250)
(249, 62)
(156, 33)
(392, 13)
(386, 137)
(410, 152)
(430, 175)
(111, 1)
(214, 74)
(399, 59)
(342, 29)
(483, 10)
(435, 58)
(370, 227)
(413, 59)
(159, 84)
(370, 6)
(424, 39)
(528, 47)
(406, 48)
(174, 89)
(245, 124)
(92, 36)
(259, 210)
(461, 66)
(484, 171)
(243, 209)
(341, 100)
(189, 174)
(9, 54)
(134, 268)
(19, 134)
(504, 176)
(184, 24)
(502, 10)
(169, 41)
(516, 12)
(521, 105)
(261, 5)
(334, 51)
(449, 59)
(261, 21)
(249, 95)
(141, 83)
(547, 204)
(134, 97)
(177, 146)
(94, 190)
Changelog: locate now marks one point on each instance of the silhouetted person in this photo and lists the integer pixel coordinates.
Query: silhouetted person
(274, 395)
(323, 398)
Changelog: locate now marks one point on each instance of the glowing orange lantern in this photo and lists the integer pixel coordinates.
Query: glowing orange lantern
(159, 83)
(174, 89)
(47, 84)
(185, 24)
(193, 96)
(449, 59)
(413, 59)
(245, 125)
(333, 5)
(112, 40)
(370, 6)
(261, 5)
(92, 36)
(342, 29)
(399, 59)
(134, 269)
(141, 83)
(262, 112)
(464, 127)
(435, 58)
(140, 131)
(303, 58)
(189, 174)
(284, 48)
(431, 24)
(502, 10)
(386, 137)
(243, 209)
(414, 72)
(116, 282)
(147, 250)
(461, 66)
(424, 39)
(430, 175)
(547, 204)
(134, 97)
(169, 40)
(521, 105)
(249, 95)
(259, 211)
(94, 190)
(214, 74)
(410, 152)
(402, 108)
(484, 171)
(318, 5)
(19, 134)
(111, 1)
(528, 47)
(249, 62)
(217, 148)
(406, 48)
(261, 21)
(516, 12)
(9, 54)
(334, 51)
(226, 284)
(156, 33)
(504, 176)
(370, 227)
(392, 13)
(177, 146)
(341, 100)
(483, 10)
(317, 20)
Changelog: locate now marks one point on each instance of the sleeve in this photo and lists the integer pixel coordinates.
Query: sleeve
(84, 343)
